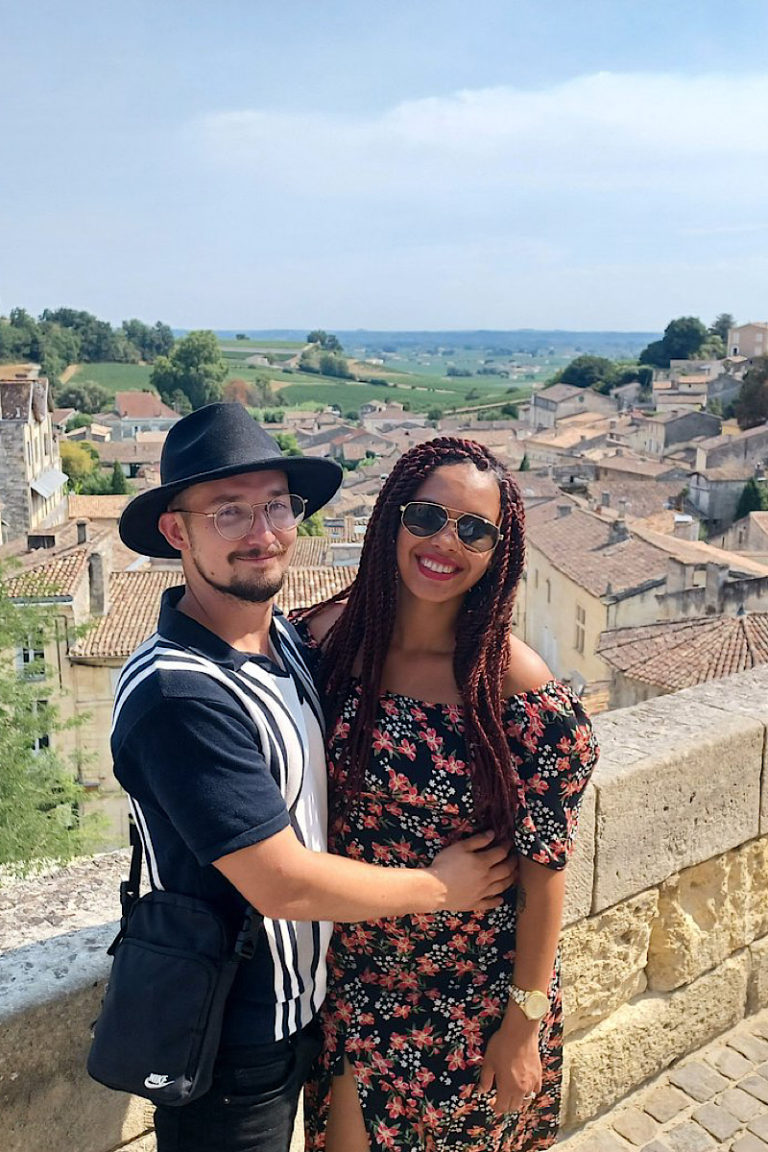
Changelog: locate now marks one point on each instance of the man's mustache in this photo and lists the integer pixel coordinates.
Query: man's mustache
(257, 554)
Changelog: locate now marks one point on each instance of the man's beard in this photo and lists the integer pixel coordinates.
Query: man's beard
(258, 590)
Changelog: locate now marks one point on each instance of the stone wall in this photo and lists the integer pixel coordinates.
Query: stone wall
(665, 944)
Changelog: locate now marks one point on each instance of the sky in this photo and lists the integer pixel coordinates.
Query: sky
(408, 164)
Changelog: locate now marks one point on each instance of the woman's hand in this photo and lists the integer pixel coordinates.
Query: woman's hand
(512, 1062)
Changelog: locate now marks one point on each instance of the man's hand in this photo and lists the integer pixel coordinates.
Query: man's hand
(474, 874)
(512, 1062)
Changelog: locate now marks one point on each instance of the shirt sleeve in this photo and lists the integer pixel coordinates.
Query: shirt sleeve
(555, 752)
(200, 763)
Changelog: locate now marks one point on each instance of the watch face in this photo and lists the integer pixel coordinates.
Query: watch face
(536, 1005)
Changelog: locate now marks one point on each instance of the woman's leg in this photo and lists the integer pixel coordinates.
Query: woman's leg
(346, 1129)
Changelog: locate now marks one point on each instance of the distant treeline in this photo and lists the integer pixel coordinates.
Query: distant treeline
(63, 336)
(528, 341)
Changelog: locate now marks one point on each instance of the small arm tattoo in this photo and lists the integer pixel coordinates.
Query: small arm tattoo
(522, 899)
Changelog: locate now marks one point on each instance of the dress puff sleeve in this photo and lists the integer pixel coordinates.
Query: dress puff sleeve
(554, 751)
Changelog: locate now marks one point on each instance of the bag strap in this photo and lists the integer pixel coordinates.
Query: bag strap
(245, 944)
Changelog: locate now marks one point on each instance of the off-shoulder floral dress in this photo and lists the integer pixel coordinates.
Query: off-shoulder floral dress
(413, 1001)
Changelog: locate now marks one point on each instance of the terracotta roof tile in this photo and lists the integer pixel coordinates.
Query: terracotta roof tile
(135, 603)
(96, 507)
(578, 546)
(682, 653)
(142, 406)
(57, 576)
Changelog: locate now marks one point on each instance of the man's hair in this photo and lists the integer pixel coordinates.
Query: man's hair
(481, 655)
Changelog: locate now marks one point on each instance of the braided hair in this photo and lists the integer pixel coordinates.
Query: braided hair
(481, 654)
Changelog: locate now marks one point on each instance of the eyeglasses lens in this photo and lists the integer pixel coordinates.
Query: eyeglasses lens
(233, 521)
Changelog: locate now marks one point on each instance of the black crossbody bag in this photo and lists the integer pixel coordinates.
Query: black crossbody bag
(159, 1030)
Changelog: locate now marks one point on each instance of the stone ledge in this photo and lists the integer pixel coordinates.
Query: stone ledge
(675, 786)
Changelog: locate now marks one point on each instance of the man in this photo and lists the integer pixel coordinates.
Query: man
(218, 741)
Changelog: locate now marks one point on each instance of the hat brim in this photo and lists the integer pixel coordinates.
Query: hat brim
(316, 479)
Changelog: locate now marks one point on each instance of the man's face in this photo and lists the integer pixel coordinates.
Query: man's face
(252, 568)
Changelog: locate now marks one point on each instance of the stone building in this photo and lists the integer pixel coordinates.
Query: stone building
(748, 340)
(658, 433)
(559, 400)
(32, 484)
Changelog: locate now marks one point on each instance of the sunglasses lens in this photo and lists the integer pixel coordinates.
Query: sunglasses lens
(422, 519)
(477, 534)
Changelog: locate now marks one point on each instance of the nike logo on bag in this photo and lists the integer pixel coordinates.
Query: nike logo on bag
(157, 1080)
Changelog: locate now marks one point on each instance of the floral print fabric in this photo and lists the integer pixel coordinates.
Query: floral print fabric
(413, 1001)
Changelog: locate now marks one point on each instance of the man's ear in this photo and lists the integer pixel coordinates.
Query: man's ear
(172, 526)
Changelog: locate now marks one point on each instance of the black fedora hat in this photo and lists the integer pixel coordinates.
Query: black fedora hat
(215, 441)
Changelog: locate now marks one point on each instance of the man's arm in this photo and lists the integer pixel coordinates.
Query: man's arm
(286, 881)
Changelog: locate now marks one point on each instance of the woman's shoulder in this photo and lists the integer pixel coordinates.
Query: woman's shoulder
(527, 672)
(318, 624)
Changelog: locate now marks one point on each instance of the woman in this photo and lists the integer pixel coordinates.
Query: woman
(444, 1032)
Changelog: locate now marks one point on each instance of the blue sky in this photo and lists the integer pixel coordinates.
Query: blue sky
(580, 164)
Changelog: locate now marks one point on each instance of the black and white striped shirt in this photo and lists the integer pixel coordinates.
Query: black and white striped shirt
(217, 750)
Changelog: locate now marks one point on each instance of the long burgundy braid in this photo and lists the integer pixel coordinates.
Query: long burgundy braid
(481, 655)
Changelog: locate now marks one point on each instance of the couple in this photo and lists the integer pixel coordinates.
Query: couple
(454, 766)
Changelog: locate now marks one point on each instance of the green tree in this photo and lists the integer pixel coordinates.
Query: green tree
(194, 367)
(683, 338)
(752, 402)
(525, 464)
(312, 526)
(331, 364)
(326, 340)
(118, 484)
(85, 396)
(752, 499)
(289, 445)
(435, 414)
(588, 371)
(721, 324)
(78, 463)
(39, 793)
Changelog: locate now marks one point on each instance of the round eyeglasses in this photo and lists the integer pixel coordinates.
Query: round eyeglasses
(235, 520)
(424, 518)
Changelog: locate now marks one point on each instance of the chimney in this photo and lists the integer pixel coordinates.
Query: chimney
(618, 531)
(98, 578)
(82, 531)
(605, 499)
(686, 528)
(563, 510)
(679, 575)
(717, 575)
(622, 508)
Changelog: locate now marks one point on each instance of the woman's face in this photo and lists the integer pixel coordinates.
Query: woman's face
(440, 568)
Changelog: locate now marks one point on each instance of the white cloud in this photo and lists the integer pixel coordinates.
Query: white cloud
(600, 131)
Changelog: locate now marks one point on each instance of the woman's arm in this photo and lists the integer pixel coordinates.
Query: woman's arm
(512, 1058)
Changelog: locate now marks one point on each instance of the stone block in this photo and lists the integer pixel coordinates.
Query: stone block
(49, 994)
(689, 1137)
(702, 919)
(752, 1047)
(759, 1127)
(604, 959)
(748, 1143)
(580, 875)
(698, 1080)
(729, 1063)
(635, 1126)
(641, 1039)
(675, 786)
(741, 1104)
(756, 1086)
(665, 1103)
(743, 695)
(601, 1140)
(717, 1120)
(757, 995)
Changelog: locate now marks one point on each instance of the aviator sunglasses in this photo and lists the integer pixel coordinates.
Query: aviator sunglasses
(235, 520)
(424, 518)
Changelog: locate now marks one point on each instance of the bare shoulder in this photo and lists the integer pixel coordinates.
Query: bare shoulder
(322, 622)
(527, 671)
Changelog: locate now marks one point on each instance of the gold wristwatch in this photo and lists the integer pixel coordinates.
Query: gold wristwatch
(533, 1004)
